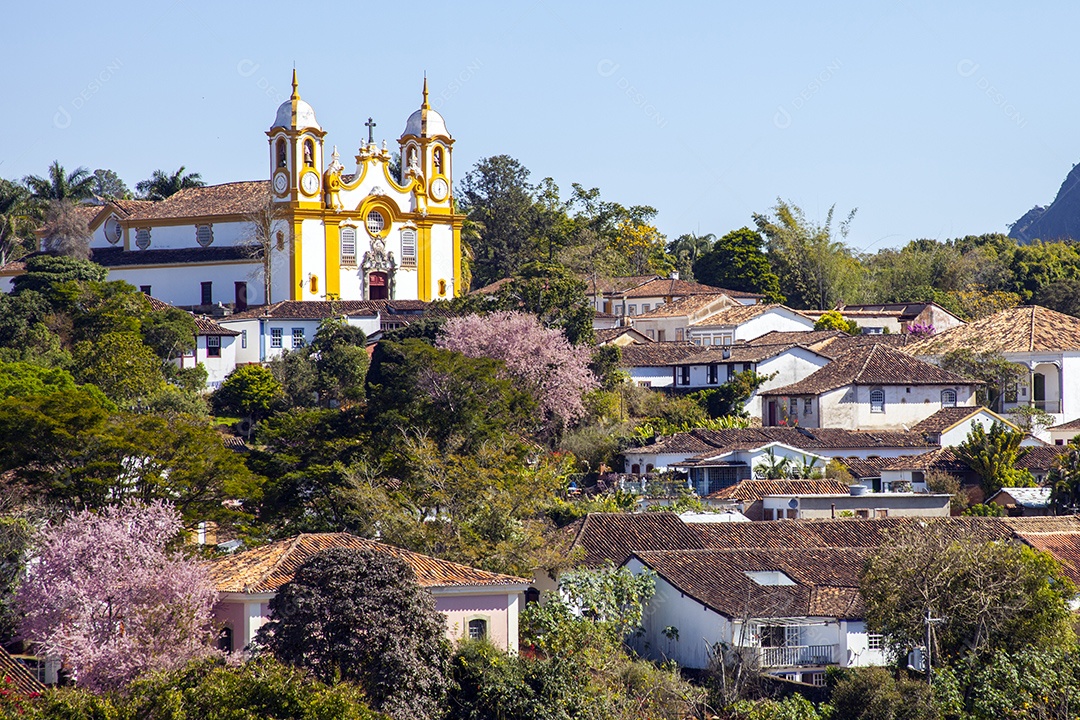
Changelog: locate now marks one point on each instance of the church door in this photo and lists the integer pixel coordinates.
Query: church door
(377, 287)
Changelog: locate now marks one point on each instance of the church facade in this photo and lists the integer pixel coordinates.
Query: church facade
(312, 231)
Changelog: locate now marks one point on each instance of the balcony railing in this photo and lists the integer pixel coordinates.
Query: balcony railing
(798, 655)
(1048, 406)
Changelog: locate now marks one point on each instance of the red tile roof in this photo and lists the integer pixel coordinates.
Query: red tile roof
(718, 441)
(266, 568)
(1030, 328)
(871, 365)
(611, 537)
(657, 354)
(753, 490)
(236, 198)
(669, 287)
(206, 326)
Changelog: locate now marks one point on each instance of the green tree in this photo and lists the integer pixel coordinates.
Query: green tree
(872, 693)
(249, 391)
(73, 186)
(1060, 295)
(161, 184)
(170, 332)
(16, 534)
(989, 596)
(1064, 478)
(20, 379)
(833, 320)
(687, 250)
(818, 270)
(45, 271)
(125, 369)
(341, 362)
(108, 185)
(729, 399)
(360, 616)
(737, 262)
(295, 371)
(993, 455)
(17, 222)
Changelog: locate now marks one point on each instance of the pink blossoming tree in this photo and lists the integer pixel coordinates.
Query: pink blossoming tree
(541, 359)
(107, 597)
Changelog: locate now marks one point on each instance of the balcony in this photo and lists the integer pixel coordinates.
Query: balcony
(797, 656)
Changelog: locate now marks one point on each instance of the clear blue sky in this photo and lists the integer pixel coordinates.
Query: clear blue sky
(935, 120)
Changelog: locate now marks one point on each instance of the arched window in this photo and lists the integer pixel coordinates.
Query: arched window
(314, 283)
(437, 160)
(309, 153)
(635, 469)
(281, 156)
(442, 287)
(348, 246)
(478, 629)
(877, 400)
(948, 398)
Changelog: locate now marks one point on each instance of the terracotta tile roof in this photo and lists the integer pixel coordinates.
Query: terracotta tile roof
(739, 314)
(1070, 425)
(127, 208)
(308, 310)
(265, 569)
(611, 537)
(615, 285)
(871, 365)
(861, 468)
(1030, 328)
(657, 354)
(686, 306)
(16, 267)
(843, 342)
(118, 257)
(1040, 458)
(207, 326)
(669, 287)
(491, 288)
(904, 311)
(742, 352)
(804, 438)
(236, 198)
(946, 418)
(18, 675)
(943, 459)
(607, 335)
(826, 580)
(753, 490)
(802, 337)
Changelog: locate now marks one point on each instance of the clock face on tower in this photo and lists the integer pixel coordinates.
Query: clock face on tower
(439, 189)
(309, 183)
(281, 183)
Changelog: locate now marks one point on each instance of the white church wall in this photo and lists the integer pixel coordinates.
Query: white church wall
(313, 249)
(182, 286)
(442, 260)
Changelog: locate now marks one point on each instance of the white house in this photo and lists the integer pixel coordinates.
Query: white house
(628, 297)
(1045, 342)
(711, 471)
(670, 321)
(873, 386)
(265, 332)
(895, 318)
(791, 613)
(746, 322)
(1062, 433)
(476, 603)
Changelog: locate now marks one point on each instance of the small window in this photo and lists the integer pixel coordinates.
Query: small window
(793, 407)
(206, 291)
(243, 338)
(348, 246)
(213, 346)
(881, 512)
(408, 248)
(644, 308)
(309, 153)
(807, 406)
(632, 310)
(864, 514)
(204, 234)
(714, 374)
(298, 337)
(281, 162)
(660, 336)
(817, 679)
(874, 641)
(684, 374)
(477, 629)
(948, 398)
(225, 640)
(877, 400)
(275, 337)
(651, 334)
(442, 288)
(678, 334)
(313, 284)
(145, 289)
(375, 222)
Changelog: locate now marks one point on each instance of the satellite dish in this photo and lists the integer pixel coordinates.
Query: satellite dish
(793, 503)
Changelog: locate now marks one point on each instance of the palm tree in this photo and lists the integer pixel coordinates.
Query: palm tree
(687, 249)
(76, 185)
(17, 219)
(161, 185)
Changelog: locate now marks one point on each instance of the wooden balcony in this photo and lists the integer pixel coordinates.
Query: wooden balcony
(797, 656)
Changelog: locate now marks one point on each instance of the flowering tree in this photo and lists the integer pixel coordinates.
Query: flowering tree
(541, 359)
(921, 330)
(107, 597)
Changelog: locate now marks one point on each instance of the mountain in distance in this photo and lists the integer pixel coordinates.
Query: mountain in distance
(1060, 220)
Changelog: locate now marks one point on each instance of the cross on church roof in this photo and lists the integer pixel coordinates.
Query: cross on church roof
(370, 124)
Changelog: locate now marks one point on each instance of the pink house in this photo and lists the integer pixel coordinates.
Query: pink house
(476, 603)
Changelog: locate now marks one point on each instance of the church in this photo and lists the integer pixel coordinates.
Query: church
(311, 232)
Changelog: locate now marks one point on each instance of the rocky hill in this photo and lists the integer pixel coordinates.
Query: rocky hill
(1060, 220)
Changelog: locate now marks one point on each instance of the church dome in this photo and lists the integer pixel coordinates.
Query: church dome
(295, 113)
(425, 122)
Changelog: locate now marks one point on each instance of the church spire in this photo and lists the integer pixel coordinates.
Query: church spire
(295, 92)
(426, 105)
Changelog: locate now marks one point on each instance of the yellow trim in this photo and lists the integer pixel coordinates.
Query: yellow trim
(456, 255)
(386, 208)
(423, 261)
(296, 268)
(333, 261)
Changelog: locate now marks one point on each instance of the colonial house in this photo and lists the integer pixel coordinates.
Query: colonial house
(912, 470)
(951, 425)
(1045, 342)
(476, 603)
(215, 347)
(665, 452)
(712, 471)
(631, 296)
(672, 321)
(1062, 433)
(858, 502)
(748, 495)
(869, 387)
(895, 317)
(791, 613)
(746, 322)
(655, 364)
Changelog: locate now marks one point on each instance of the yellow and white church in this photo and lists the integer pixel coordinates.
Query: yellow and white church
(336, 235)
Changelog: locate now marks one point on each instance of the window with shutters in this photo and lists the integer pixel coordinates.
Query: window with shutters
(877, 400)
(348, 246)
(298, 337)
(408, 248)
(206, 293)
(213, 346)
(275, 337)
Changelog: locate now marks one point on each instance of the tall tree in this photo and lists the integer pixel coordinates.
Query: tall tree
(265, 223)
(818, 269)
(359, 615)
(161, 185)
(111, 601)
(737, 262)
(67, 232)
(17, 221)
(993, 456)
(499, 200)
(109, 186)
(687, 249)
(73, 186)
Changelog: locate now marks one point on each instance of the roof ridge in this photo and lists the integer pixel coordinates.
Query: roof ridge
(291, 547)
(1031, 330)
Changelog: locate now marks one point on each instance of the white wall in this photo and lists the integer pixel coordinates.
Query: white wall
(260, 334)
(775, 319)
(168, 237)
(183, 285)
(217, 368)
(849, 407)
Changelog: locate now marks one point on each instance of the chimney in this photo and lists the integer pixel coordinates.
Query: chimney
(674, 274)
